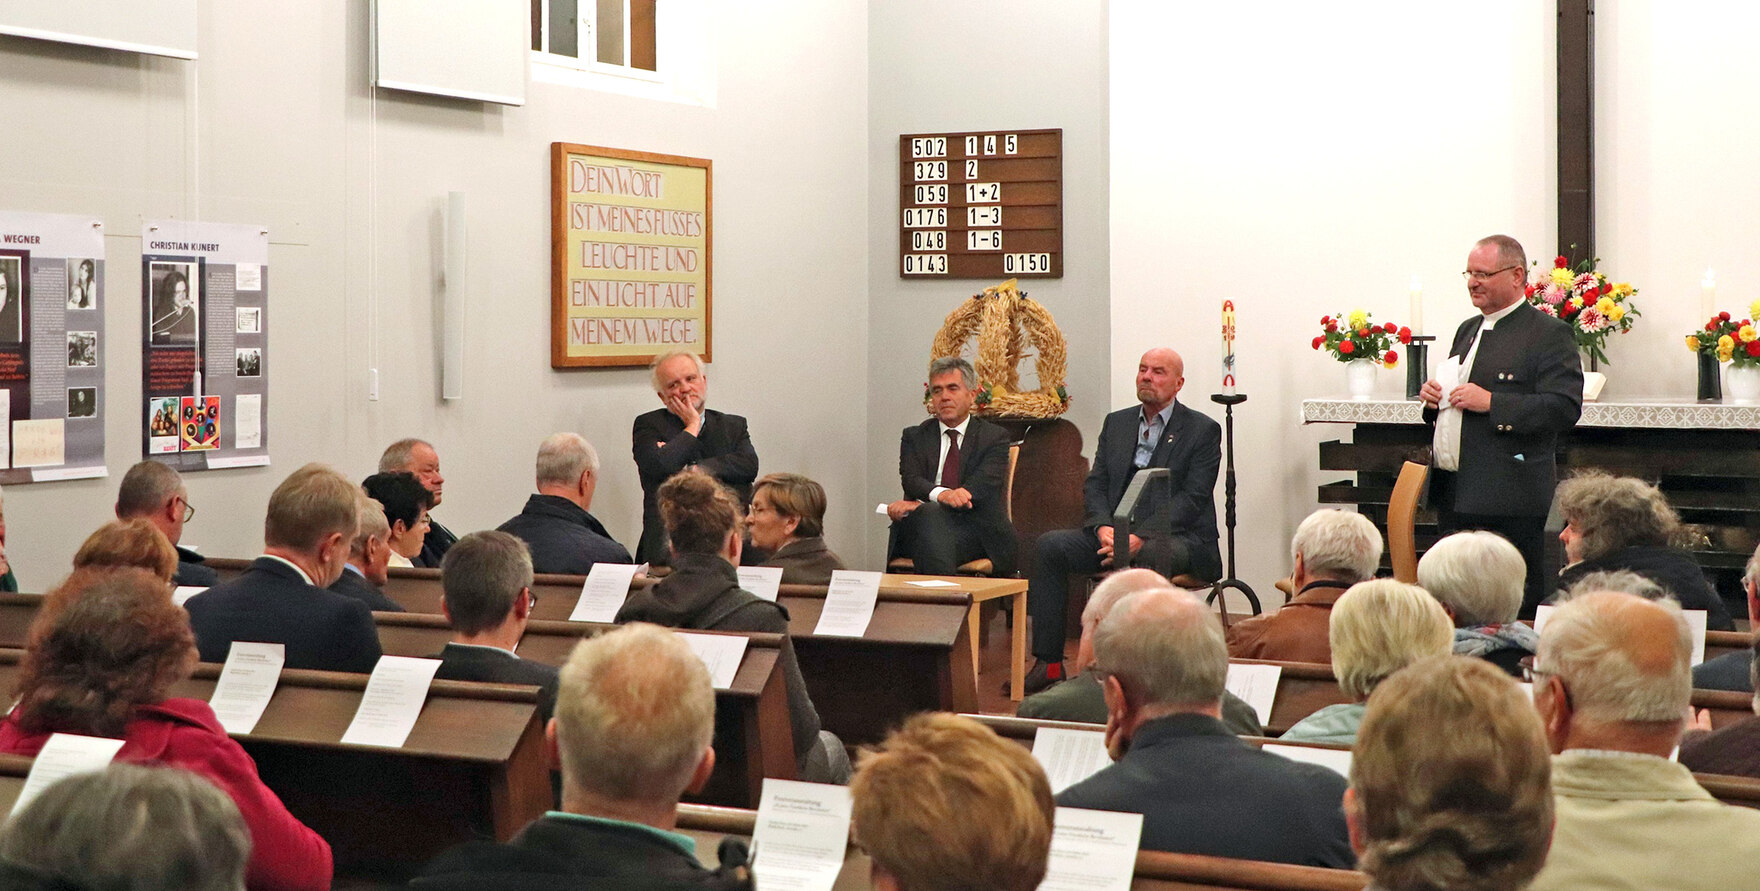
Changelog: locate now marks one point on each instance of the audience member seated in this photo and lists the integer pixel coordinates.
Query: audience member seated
(1619, 523)
(953, 469)
(1733, 671)
(634, 721)
(703, 592)
(786, 523)
(1734, 749)
(135, 544)
(685, 434)
(1081, 699)
(369, 555)
(1333, 550)
(102, 666)
(1479, 577)
(1461, 805)
(87, 832)
(313, 517)
(153, 492)
(946, 805)
(487, 581)
(406, 502)
(555, 525)
(419, 458)
(1612, 686)
(1200, 790)
(1377, 628)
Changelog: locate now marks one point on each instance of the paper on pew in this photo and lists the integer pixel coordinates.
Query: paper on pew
(1257, 685)
(392, 702)
(246, 684)
(801, 835)
(934, 583)
(182, 593)
(763, 581)
(606, 588)
(1336, 760)
(849, 603)
(1697, 620)
(721, 654)
(1069, 756)
(65, 754)
(1092, 850)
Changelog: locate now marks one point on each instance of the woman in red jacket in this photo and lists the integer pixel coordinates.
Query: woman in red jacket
(100, 663)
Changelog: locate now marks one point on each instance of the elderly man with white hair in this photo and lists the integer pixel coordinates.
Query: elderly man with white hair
(684, 434)
(563, 536)
(1612, 686)
(1333, 550)
(1478, 577)
(1080, 698)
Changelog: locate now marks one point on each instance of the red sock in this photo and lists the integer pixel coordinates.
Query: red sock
(1054, 671)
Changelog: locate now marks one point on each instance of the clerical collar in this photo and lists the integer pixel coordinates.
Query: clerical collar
(1492, 319)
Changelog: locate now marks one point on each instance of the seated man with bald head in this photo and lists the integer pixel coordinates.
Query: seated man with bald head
(1200, 790)
(563, 536)
(1612, 685)
(154, 492)
(1174, 530)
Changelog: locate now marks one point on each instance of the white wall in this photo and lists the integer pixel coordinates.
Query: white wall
(276, 125)
(1301, 163)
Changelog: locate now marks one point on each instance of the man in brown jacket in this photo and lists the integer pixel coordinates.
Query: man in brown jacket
(1333, 550)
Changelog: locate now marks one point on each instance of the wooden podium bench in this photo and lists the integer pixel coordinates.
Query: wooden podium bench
(1718, 643)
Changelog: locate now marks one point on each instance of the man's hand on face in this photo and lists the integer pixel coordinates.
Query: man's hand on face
(898, 510)
(959, 498)
(682, 405)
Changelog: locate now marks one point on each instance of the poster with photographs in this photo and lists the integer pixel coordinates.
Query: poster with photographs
(51, 347)
(204, 344)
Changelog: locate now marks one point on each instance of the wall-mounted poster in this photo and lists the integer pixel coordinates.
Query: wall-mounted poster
(630, 243)
(51, 347)
(204, 349)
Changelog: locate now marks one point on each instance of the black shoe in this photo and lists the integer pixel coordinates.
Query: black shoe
(1040, 676)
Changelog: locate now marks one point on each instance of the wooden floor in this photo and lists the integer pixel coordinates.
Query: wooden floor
(993, 668)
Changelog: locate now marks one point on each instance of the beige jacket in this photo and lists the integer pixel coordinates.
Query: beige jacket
(1640, 822)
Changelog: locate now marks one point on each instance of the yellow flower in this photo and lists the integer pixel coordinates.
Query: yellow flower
(1625, 289)
(1605, 306)
(1563, 277)
(1754, 310)
(1746, 333)
(1614, 313)
(1358, 319)
(1576, 303)
(1726, 343)
(1692, 343)
(1724, 354)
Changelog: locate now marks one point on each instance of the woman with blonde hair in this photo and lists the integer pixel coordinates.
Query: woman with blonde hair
(786, 522)
(1377, 628)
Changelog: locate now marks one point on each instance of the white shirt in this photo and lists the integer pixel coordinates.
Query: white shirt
(935, 493)
(1446, 444)
(290, 564)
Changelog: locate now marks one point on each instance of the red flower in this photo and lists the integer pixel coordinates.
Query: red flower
(1590, 295)
(1723, 316)
(1331, 327)
(1318, 341)
(1559, 261)
(1362, 332)
(1392, 357)
(1754, 348)
(1347, 347)
(1532, 287)
(1405, 335)
(1390, 327)
(1325, 320)
(1711, 325)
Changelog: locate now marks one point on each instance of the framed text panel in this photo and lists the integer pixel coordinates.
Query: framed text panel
(981, 205)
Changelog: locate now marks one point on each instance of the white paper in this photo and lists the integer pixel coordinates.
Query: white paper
(5, 429)
(880, 509)
(65, 754)
(933, 583)
(1696, 622)
(1069, 756)
(849, 603)
(721, 654)
(1336, 760)
(39, 443)
(1542, 615)
(1092, 850)
(801, 835)
(392, 702)
(603, 595)
(763, 581)
(1257, 684)
(248, 277)
(182, 593)
(246, 684)
(247, 421)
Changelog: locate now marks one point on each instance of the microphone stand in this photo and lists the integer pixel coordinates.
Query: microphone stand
(1228, 401)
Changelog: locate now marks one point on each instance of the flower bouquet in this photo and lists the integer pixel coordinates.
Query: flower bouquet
(1362, 345)
(1726, 339)
(1592, 305)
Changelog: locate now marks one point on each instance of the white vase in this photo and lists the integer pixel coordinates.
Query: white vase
(1359, 377)
(1593, 381)
(1743, 385)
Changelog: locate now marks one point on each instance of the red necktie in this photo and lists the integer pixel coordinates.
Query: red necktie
(950, 467)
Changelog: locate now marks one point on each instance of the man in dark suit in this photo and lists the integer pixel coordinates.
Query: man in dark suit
(154, 492)
(1172, 533)
(313, 516)
(1511, 385)
(953, 468)
(419, 458)
(369, 556)
(684, 434)
(1200, 789)
(563, 536)
(487, 580)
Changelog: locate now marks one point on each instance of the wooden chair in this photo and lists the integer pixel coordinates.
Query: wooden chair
(1402, 518)
(983, 565)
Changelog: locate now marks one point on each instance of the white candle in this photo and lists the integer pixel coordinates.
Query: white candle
(1228, 369)
(1417, 324)
(1708, 294)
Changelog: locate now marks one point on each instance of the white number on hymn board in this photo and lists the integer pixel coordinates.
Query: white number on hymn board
(1019, 263)
(987, 215)
(929, 170)
(925, 264)
(931, 195)
(984, 239)
(978, 193)
(925, 217)
(929, 147)
(929, 240)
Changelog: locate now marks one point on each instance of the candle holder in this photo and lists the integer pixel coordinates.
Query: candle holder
(1417, 363)
(1228, 401)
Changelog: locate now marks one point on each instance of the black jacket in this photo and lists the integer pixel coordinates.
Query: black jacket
(723, 449)
(190, 571)
(556, 853)
(271, 603)
(434, 545)
(494, 666)
(1191, 450)
(353, 584)
(983, 459)
(563, 538)
(1673, 570)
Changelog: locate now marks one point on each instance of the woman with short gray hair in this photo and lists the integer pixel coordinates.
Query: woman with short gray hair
(1377, 628)
(1618, 522)
(1478, 578)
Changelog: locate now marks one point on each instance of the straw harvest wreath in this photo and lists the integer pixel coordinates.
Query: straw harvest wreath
(1005, 322)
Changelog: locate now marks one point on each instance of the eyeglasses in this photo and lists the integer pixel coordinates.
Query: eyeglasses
(1474, 275)
(189, 510)
(533, 599)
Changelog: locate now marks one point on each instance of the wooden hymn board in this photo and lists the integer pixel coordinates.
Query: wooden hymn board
(981, 205)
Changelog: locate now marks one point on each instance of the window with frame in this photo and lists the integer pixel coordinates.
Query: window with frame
(607, 36)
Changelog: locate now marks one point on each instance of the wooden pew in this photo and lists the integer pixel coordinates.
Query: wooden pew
(1717, 643)
(473, 766)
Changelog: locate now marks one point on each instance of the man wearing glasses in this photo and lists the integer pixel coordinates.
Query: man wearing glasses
(1511, 383)
(155, 493)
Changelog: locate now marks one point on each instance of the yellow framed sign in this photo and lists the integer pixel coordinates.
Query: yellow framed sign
(630, 251)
